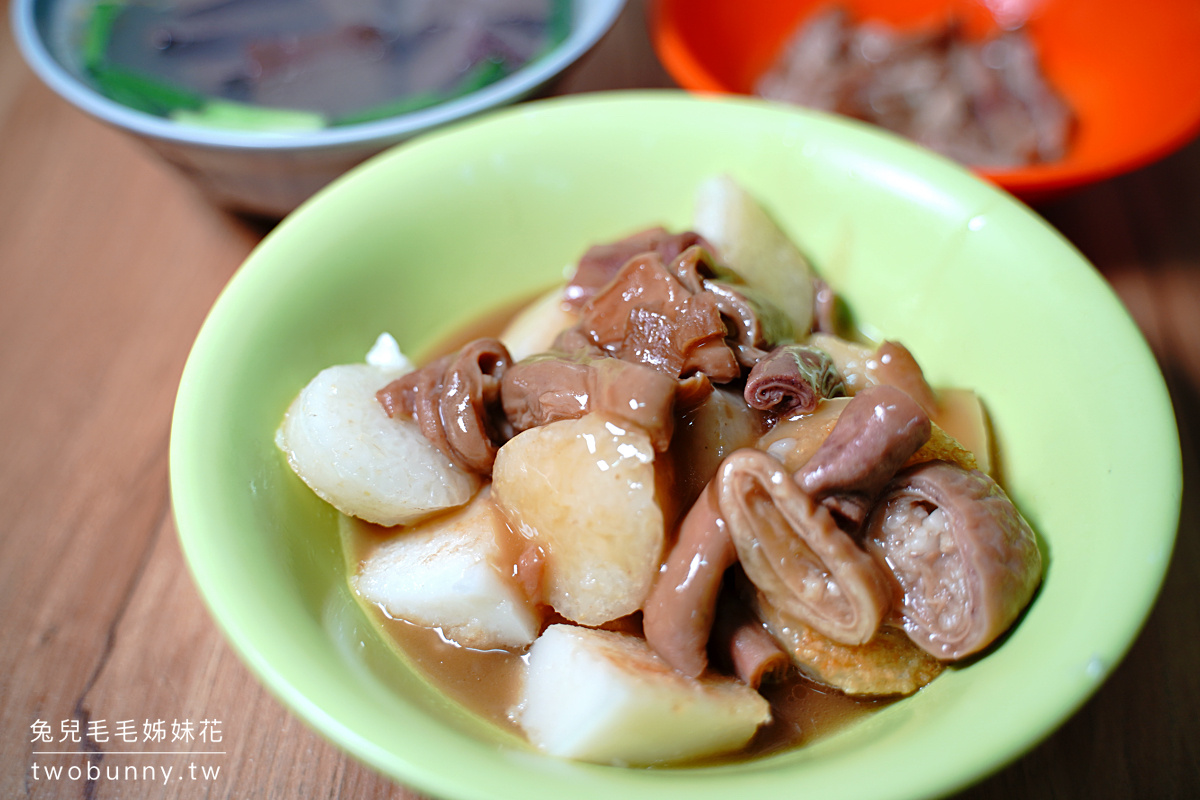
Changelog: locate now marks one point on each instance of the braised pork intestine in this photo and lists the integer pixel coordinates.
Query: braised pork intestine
(793, 378)
(455, 401)
(877, 432)
(549, 387)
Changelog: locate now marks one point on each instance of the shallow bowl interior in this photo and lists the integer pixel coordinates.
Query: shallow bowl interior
(1129, 72)
(443, 228)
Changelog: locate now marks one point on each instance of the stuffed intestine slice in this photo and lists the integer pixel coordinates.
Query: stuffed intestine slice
(793, 551)
(965, 562)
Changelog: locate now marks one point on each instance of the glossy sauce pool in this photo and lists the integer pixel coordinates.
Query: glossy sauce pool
(487, 682)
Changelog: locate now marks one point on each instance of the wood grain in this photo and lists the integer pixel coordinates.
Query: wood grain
(108, 264)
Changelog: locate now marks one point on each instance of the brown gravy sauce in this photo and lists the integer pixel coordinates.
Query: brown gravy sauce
(490, 323)
(487, 682)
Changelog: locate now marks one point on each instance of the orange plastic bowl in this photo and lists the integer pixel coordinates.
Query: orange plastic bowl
(1131, 73)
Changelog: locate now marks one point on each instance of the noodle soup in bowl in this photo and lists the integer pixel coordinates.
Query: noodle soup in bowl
(434, 236)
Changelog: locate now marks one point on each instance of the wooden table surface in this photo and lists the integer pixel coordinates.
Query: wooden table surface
(108, 263)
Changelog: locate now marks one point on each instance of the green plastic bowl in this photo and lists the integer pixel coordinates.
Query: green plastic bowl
(439, 230)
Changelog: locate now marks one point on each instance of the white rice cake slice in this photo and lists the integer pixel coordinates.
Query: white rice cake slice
(457, 573)
(606, 697)
(584, 491)
(341, 442)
